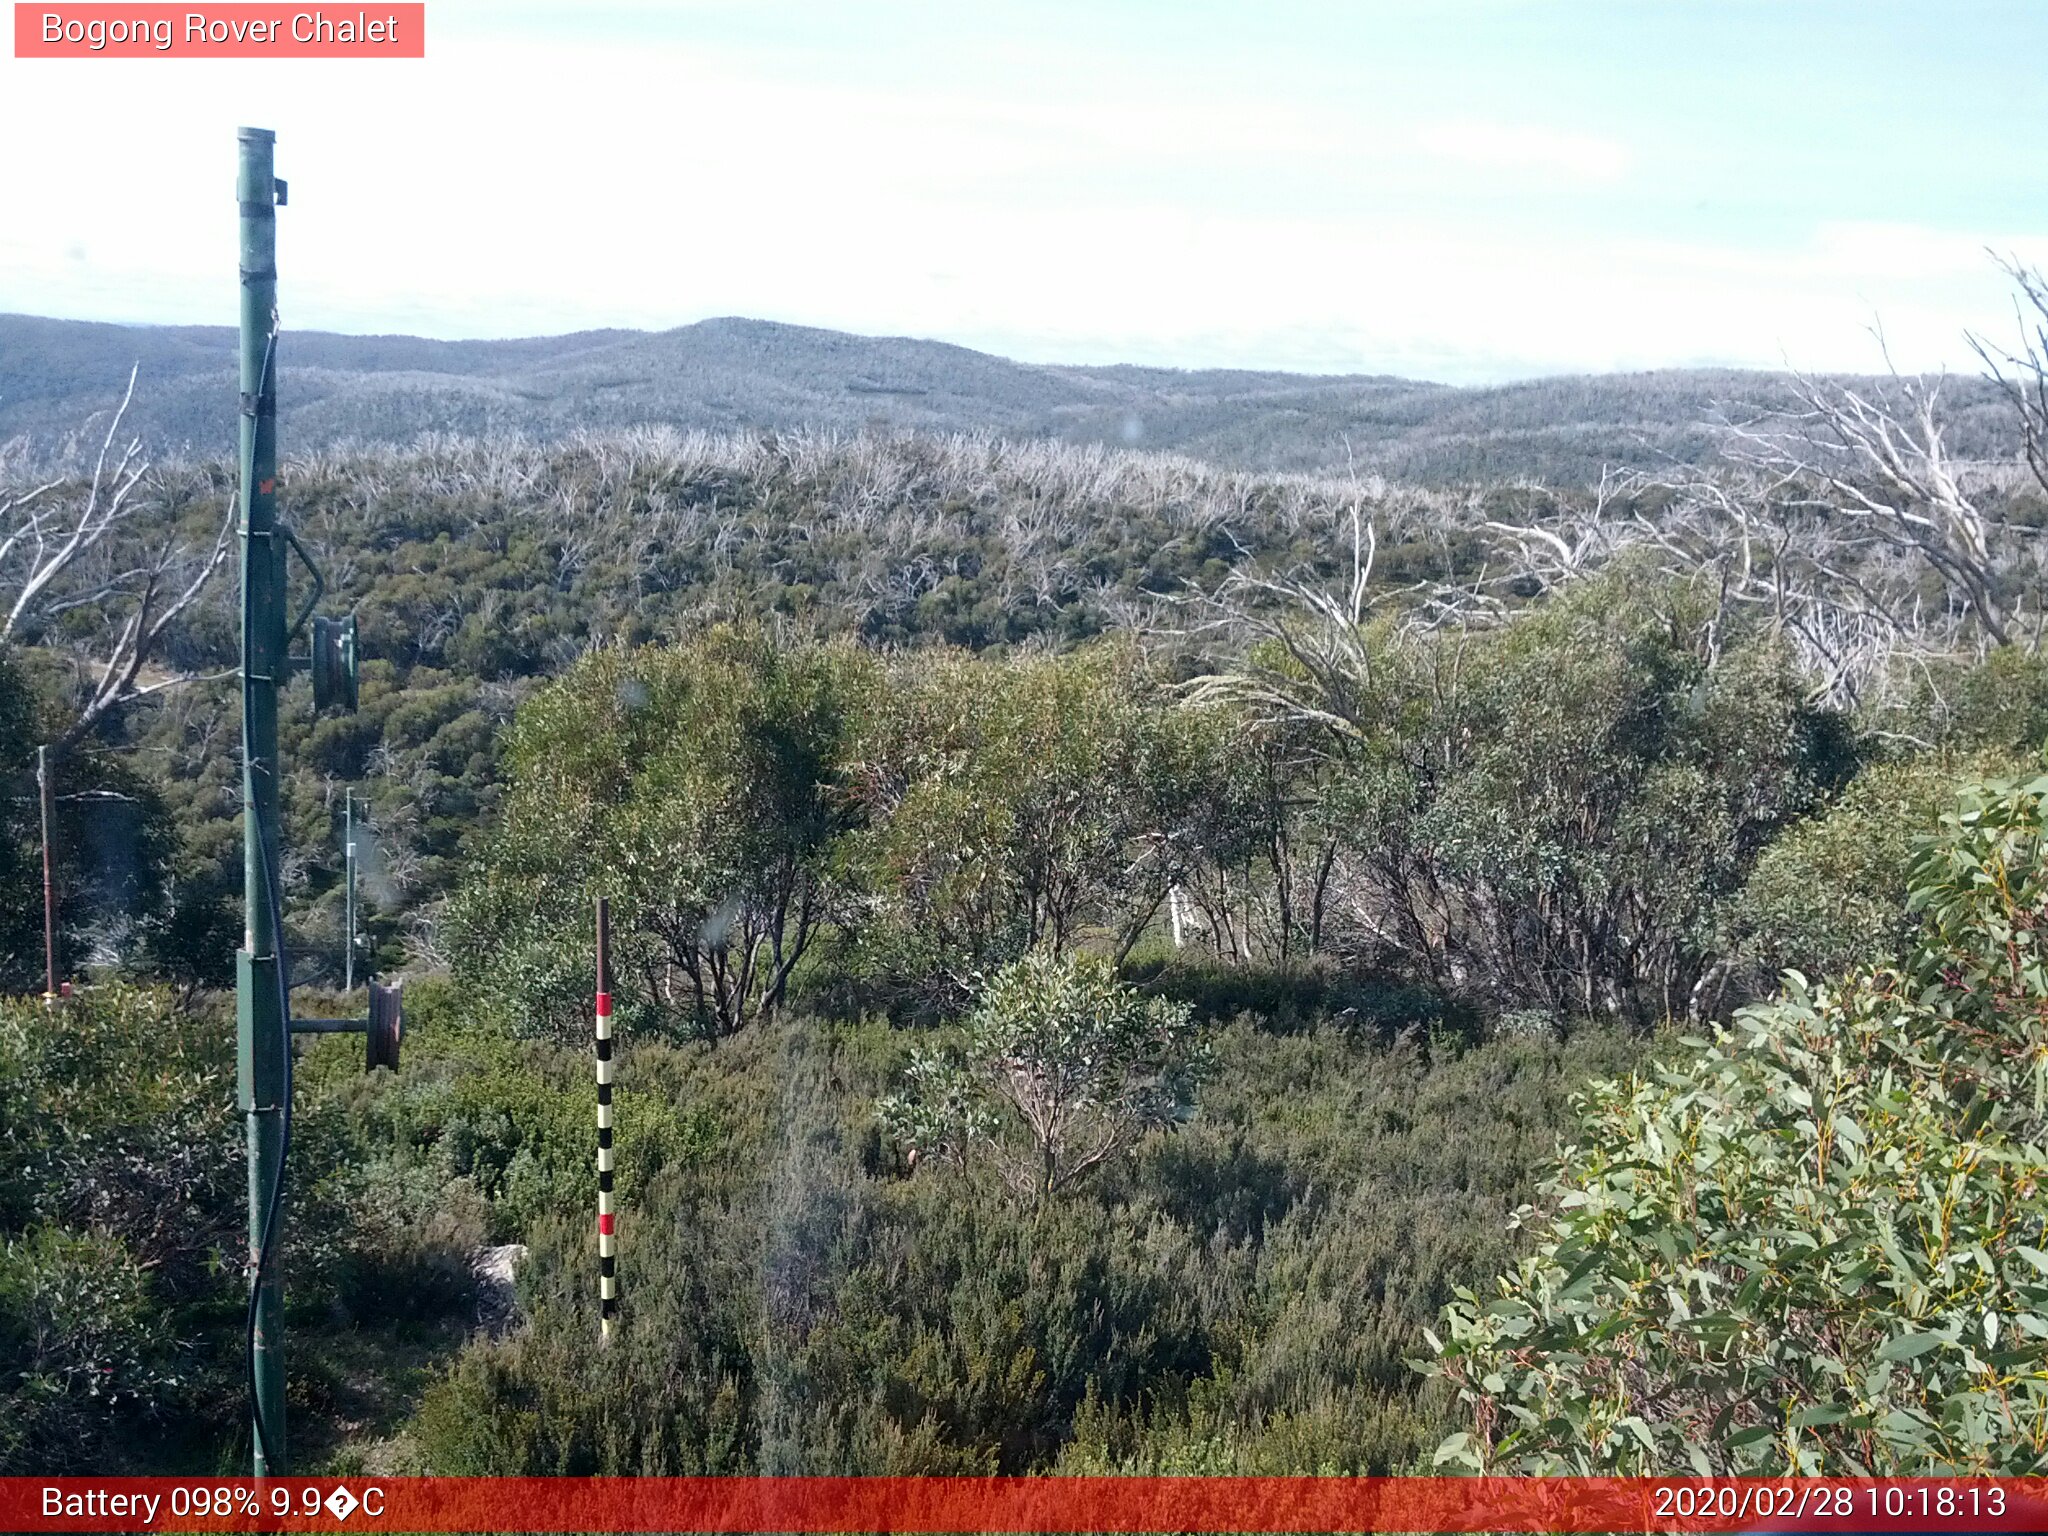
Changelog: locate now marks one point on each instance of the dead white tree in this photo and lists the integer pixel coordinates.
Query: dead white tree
(1855, 609)
(1877, 463)
(1321, 629)
(2022, 376)
(1850, 597)
(67, 545)
(1569, 546)
(1845, 518)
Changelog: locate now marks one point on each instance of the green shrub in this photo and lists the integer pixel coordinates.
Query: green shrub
(117, 1113)
(2000, 704)
(1307, 997)
(693, 786)
(1238, 1295)
(1831, 893)
(86, 1352)
(1817, 1244)
(670, 1395)
(1062, 1068)
(1010, 805)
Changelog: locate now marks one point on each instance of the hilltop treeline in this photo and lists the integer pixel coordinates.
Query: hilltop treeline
(751, 376)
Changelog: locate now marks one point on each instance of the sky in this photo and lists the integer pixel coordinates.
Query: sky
(1464, 190)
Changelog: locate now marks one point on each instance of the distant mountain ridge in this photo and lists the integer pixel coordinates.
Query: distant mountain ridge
(729, 374)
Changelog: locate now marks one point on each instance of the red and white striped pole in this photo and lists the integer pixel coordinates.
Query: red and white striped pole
(607, 1241)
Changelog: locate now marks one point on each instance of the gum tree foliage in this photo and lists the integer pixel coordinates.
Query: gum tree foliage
(739, 797)
(1832, 892)
(1818, 1244)
(1999, 704)
(1559, 812)
(1254, 835)
(1613, 779)
(693, 787)
(1012, 805)
(1553, 809)
(1061, 1069)
(121, 1188)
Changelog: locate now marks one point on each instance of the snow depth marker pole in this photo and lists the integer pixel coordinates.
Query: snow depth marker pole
(607, 1241)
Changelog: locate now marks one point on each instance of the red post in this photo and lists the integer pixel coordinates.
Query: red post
(49, 884)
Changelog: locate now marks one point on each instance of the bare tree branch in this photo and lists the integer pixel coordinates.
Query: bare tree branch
(93, 550)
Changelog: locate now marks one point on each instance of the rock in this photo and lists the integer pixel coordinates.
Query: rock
(496, 1308)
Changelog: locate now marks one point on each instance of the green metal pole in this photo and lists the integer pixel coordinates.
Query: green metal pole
(261, 1043)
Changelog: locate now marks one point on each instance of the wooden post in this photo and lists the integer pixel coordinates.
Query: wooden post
(348, 899)
(607, 1238)
(47, 794)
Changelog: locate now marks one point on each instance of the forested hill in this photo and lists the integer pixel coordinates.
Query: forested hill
(740, 374)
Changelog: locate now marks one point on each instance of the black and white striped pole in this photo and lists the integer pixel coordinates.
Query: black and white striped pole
(607, 1237)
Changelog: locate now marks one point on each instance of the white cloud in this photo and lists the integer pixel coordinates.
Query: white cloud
(504, 188)
(1525, 147)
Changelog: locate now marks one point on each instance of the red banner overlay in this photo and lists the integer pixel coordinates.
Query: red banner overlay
(738, 1506)
(374, 31)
